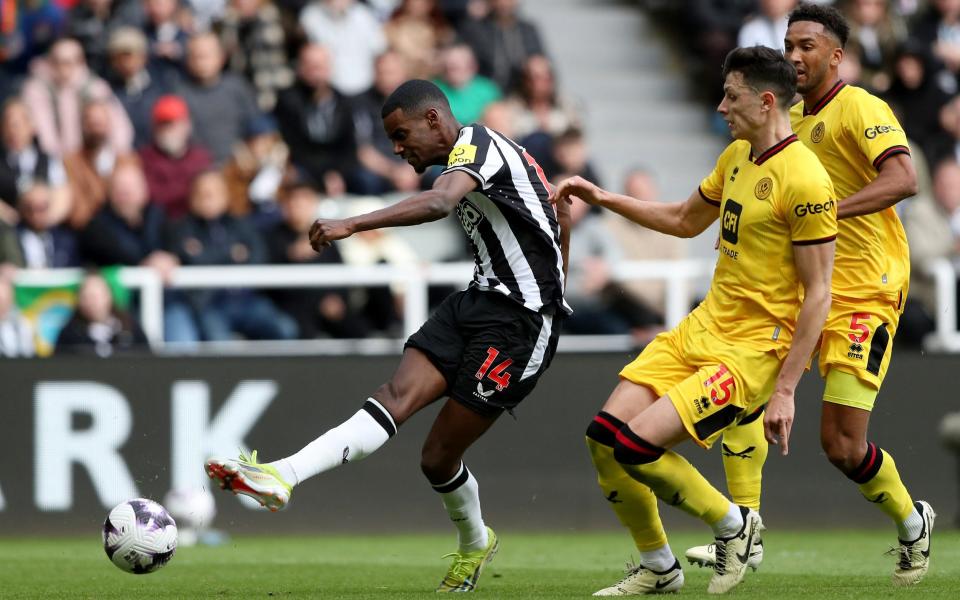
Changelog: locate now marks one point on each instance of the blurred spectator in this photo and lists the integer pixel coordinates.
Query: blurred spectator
(97, 325)
(23, 163)
(939, 29)
(89, 168)
(129, 229)
(712, 27)
(91, 23)
(354, 36)
(640, 243)
(468, 93)
(255, 45)
(876, 33)
(16, 332)
(917, 93)
(221, 104)
(11, 257)
(318, 311)
(255, 171)
(570, 157)
(203, 14)
(415, 31)
(380, 305)
(502, 42)
(601, 305)
(946, 144)
(171, 161)
(165, 37)
(385, 171)
(136, 86)
(933, 230)
(44, 244)
(316, 121)
(38, 24)
(210, 236)
(537, 105)
(55, 94)
(768, 26)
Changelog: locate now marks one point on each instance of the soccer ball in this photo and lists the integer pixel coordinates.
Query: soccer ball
(139, 536)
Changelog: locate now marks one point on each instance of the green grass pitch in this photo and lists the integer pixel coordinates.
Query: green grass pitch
(827, 565)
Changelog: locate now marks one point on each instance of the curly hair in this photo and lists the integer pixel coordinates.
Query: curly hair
(828, 16)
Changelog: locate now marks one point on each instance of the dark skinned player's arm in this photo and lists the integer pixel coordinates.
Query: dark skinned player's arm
(563, 220)
(430, 205)
(896, 180)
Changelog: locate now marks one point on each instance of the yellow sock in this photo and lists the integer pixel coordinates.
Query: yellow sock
(634, 503)
(671, 477)
(880, 483)
(744, 452)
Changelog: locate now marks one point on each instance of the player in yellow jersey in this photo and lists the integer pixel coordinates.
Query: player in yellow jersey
(749, 340)
(864, 149)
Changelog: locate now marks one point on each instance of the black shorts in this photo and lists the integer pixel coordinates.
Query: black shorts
(490, 349)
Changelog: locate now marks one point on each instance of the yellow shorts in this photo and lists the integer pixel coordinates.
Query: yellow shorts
(858, 339)
(712, 384)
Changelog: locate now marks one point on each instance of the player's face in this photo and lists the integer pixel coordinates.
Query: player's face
(741, 106)
(813, 51)
(416, 138)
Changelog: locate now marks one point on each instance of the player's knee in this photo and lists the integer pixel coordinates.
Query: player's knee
(438, 462)
(392, 397)
(843, 452)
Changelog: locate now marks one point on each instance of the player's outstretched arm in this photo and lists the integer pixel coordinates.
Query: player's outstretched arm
(896, 180)
(815, 266)
(563, 220)
(686, 219)
(430, 205)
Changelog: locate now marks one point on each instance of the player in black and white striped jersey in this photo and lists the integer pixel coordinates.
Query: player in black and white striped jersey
(484, 347)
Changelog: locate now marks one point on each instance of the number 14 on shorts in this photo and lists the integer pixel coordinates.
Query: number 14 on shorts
(498, 374)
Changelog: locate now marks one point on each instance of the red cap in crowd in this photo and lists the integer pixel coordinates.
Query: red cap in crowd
(170, 108)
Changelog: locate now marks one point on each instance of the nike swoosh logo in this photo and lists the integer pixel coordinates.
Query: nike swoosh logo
(662, 584)
(746, 552)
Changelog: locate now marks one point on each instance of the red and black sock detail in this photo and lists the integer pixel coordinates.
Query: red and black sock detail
(381, 416)
(603, 429)
(631, 449)
(870, 465)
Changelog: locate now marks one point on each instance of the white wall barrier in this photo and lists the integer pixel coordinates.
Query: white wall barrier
(680, 278)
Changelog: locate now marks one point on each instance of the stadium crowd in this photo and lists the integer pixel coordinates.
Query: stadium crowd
(209, 132)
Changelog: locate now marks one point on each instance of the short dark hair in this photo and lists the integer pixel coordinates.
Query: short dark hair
(415, 95)
(764, 68)
(828, 16)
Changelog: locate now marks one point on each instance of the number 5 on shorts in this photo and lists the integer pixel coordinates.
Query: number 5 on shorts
(856, 325)
(725, 386)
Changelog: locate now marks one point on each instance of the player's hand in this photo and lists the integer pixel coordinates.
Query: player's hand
(778, 419)
(323, 232)
(576, 186)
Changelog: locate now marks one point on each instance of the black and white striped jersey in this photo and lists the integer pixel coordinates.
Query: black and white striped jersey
(512, 226)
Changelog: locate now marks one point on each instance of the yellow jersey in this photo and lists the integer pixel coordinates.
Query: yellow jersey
(768, 204)
(852, 132)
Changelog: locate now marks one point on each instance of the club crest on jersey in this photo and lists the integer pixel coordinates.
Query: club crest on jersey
(763, 188)
(464, 154)
(816, 136)
(469, 215)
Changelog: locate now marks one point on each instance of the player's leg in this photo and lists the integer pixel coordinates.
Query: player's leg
(642, 448)
(456, 428)
(744, 451)
(855, 353)
(415, 384)
(843, 435)
(633, 502)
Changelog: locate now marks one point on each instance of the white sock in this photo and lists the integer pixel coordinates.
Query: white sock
(659, 560)
(731, 523)
(356, 438)
(911, 527)
(461, 498)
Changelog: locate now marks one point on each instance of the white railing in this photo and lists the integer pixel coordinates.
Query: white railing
(414, 281)
(678, 276)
